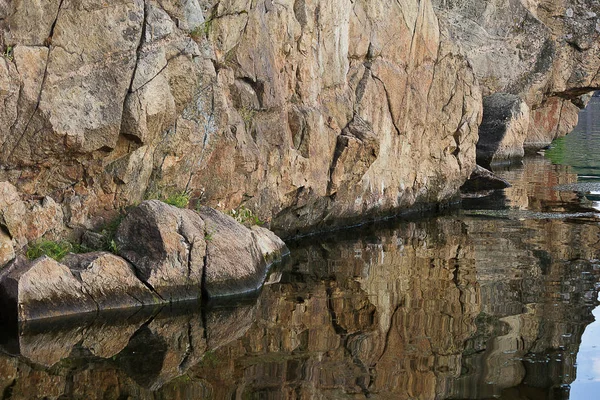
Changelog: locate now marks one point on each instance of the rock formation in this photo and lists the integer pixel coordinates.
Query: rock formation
(362, 108)
(169, 255)
(309, 113)
(545, 52)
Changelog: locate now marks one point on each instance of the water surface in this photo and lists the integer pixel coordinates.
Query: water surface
(496, 300)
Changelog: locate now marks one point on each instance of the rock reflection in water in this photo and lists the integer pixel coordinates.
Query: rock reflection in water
(452, 307)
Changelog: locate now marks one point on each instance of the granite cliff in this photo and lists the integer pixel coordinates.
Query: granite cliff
(309, 113)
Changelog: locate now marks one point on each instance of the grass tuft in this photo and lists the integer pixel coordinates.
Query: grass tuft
(52, 249)
(8, 53)
(179, 199)
(245, 216)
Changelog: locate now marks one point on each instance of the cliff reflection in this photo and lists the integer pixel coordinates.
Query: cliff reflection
(453, 307)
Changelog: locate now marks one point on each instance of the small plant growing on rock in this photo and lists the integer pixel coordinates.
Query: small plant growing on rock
(55, 250)
(201, 30)
(244, 216)
(179, 199)
(8, 53)
(247, 115)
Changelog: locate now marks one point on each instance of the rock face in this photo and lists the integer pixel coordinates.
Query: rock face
(352, 110)
(320, 121)
(546, 52)
(174, 255)
(503, 129)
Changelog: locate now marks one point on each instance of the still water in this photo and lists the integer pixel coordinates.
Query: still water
(496, 300)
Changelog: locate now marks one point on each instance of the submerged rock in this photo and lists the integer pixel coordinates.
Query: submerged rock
(482, 179)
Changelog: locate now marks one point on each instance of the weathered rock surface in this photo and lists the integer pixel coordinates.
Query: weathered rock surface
(42, 288)
(82, 283)
(305, 125)
(179, 252)
(503, 129)
(167, 247)
(26, 221)
(109, 280)
(353, 110)
(235, 261)
(546, 52)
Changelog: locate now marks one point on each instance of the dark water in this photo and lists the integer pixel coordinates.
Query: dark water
(496, 300)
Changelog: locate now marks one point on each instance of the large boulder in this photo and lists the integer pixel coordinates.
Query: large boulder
(180, 253)
(235, 255)
(167, 247)
(503, 129)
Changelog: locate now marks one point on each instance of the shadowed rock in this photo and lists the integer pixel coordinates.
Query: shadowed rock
(483, 179)
(503, 129)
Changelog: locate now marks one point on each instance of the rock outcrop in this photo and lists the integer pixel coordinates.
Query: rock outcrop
(170, 255)
(483, 180)
(309, 113)
(545, 52)
(350, 111)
